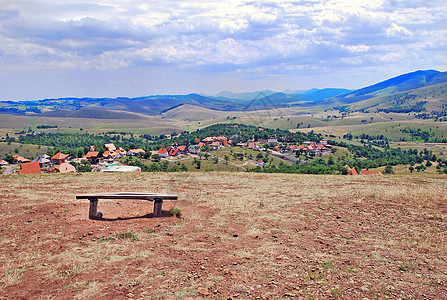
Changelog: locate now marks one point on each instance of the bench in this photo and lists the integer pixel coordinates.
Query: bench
(156, 198)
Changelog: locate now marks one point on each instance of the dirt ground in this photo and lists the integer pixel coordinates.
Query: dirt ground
(241, 236)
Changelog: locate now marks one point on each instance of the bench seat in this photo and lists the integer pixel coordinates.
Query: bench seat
(157, 198)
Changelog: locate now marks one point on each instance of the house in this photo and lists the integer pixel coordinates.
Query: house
(216, 145)
(260, 163)
(208, 140)
(93, 157)
(194, 149)
(133, 152)
(251, 145)
(3, 162)
(273, 142)
(323, 142)
(163, 152)
(65, 168)
(182, 149)
(30, 168)
(20, 159)
(121, 169)
(369, 172)
(201, 145)
(173, 151)
(44, 161)
(59, 158)
(111, 147)
(120, 152)
(352, 171)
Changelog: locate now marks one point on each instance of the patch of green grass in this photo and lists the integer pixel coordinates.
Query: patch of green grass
(176, 211)
(127, 235)
(106, 239)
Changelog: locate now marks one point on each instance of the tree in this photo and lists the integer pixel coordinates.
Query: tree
(226, 159)
(388, 170)
(156, 157)
(411, 168)
(184, 168)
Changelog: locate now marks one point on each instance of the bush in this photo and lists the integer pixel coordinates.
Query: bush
(176, 211)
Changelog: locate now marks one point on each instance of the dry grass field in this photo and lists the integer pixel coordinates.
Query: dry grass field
(241, 236)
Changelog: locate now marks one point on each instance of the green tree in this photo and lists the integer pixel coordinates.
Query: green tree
(388, 170)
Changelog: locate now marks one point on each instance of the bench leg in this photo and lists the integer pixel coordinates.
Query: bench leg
(158, 204)
(92, 213)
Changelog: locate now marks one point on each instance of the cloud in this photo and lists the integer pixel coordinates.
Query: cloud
(220, 36)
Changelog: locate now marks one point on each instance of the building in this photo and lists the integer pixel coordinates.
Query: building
(133, 152)
(93, 157)
(30, 168)
(194, 149)
(59, 158)
(20, 159)
(111, 147)
(44, 161)
(65, 168)
(163, 152)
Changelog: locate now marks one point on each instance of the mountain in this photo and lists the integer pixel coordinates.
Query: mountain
(394, 92)
(397, 84)
(243, 96)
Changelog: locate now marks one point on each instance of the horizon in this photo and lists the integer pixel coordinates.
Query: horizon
(49, 50)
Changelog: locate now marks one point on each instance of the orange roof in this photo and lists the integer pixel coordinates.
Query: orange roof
(276, 148)
(300, 146)
(260, 161)
(251, 144)
(59, 155)
(30, 168)
(352, 171)
(21, 158)
(137, 150)
(200, 145)
(110, 147)
(66, 168)
(366, 172)
(292, 147)
(91, 154)
(106, 153)
(161, 150)
(181, 148)
(215, 144)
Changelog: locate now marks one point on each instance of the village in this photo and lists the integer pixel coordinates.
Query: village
(109, 160)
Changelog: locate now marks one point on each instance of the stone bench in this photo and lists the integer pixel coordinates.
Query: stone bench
(156, 198)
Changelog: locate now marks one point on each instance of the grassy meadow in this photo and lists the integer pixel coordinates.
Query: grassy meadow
(241, 235)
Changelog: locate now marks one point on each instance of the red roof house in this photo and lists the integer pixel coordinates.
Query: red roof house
(59, 158)
(30, 168)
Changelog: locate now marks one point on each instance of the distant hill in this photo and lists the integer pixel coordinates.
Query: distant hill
(381, 94)
(243, 96)
(397, 84)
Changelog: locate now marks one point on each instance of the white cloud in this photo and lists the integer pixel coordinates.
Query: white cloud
(220, 36)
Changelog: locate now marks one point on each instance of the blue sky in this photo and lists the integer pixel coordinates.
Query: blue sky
(54, 48)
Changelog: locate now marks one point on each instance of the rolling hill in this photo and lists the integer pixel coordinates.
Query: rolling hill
(397, 91)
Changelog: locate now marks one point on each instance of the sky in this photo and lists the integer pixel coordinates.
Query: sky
(131, 48)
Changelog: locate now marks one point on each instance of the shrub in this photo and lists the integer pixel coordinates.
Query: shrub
(176, 211)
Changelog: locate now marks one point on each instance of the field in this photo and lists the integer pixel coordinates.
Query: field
(242, 235)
